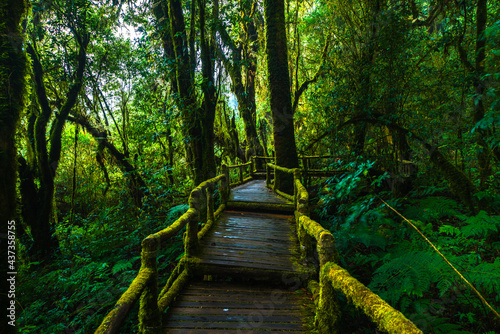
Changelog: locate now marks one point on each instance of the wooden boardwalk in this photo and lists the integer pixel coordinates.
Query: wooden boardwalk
(253, 255)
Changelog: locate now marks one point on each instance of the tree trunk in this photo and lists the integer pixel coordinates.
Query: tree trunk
(243, 82)
(13, 66)
(47, 157)
(197, 121)
(484, 152)
(279, 90)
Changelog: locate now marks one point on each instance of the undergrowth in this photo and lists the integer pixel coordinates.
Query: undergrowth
(100, 256)
(387, 255)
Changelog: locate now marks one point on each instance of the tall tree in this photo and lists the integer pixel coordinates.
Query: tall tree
(13, 67)
(477, 70)
(38, 174)
(242, 68)
(279, 89)
(198, 114)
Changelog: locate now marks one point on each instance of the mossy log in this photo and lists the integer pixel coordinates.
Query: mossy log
(113, 321)
(175, 227)
(239, 183)
(325, 242)
(285, 195)
(281, 169)
(149, 314)
(168, 296)
(385, 316)
(301, 199)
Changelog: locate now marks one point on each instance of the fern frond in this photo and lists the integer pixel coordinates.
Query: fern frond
(120, 266)
(432, 209)
(175, 212)
(410, 274)
(480, 225)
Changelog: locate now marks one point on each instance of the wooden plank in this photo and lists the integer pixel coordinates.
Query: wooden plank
(254, 287)
(235, 325)
(255, 191)
(227, 301)
(278, 293)
(275, 230)
(248, 251)
(273, 216)
(251, 236)
(243, 241)
(251, 247)
(216, 304)
(246, 265)
(236, 318)
(270, 260)
(215, 251)
(229, 311)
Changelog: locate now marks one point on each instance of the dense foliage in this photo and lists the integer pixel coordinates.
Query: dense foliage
(130, 104)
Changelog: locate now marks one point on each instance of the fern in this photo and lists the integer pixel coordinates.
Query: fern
(410, 274)
(432, 209)
(175, 212)
(480, 225)
(123, 265)
(486, 275)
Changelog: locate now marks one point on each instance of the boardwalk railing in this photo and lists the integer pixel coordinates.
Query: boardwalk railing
(145, 285)
(312, 236)
(201, 212)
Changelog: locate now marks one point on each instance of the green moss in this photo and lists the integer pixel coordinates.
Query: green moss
(387, 318)
(115, 318)
(327, 310)
(169, 295)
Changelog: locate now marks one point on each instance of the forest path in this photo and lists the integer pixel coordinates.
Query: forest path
(257, 255)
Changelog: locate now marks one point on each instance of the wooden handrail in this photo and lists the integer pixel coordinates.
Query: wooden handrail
(334, 278)
(310, 233)
(241, 178)
(144, 286)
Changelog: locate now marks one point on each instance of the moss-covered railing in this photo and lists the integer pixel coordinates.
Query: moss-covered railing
(318, 245)
(145, 285)
(244, 173)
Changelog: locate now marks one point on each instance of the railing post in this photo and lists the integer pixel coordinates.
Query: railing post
(210, 204)
(305, 240)
(240, 168)
(327, 310)
(224, 185)
(252, 166)
(268, 175)
(327, 252)
(191, 243)
(149, 314)
(296, 176)
(276, 178)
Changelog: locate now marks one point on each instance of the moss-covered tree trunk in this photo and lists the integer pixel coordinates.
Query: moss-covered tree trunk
(42, 169)
(13, 66)
(197, 119)
(279, 90)
(242, 69)
(363, 104)
(484, 153)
